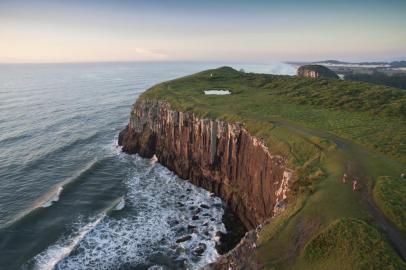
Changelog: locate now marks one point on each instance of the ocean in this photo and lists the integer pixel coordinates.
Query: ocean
(69, 198)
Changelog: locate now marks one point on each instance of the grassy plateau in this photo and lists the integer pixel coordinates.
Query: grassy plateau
(325, 128)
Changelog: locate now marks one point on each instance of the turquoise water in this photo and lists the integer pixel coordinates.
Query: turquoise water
(69, 198)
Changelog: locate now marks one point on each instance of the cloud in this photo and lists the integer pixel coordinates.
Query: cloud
(150, 54)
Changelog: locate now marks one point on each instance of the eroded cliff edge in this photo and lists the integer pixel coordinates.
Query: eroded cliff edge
(218, 156)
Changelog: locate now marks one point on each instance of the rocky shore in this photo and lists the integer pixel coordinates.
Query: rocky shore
(218, 156)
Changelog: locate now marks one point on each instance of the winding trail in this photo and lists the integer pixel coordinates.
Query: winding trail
(354, 157)
(395, 237)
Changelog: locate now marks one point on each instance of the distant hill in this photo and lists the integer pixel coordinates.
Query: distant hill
(332, 62)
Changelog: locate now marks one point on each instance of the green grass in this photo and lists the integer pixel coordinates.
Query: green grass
(349, 244)
(390, 195)
(282, 242)
(324, 128)
(372, 115)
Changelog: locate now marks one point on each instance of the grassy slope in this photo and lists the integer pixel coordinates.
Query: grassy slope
(305, 119)
(361, 247)
(390, 193)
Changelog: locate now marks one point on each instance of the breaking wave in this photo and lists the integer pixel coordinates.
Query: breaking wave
(119, 205)
(142, 227)
(55, 253)
(54, 197)
(54, 194)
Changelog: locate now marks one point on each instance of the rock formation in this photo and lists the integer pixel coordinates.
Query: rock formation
(218, 156)
(316, 71)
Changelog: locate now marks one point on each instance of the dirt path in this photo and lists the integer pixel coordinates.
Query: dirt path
(355, 157)
(356, 171)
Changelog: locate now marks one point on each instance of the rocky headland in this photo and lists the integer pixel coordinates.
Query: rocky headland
(316, 71)
(219, 156)
(274, 151)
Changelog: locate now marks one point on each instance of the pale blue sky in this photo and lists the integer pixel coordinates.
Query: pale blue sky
(70, 31)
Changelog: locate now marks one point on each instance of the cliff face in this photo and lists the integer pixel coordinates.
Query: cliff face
(220, 157)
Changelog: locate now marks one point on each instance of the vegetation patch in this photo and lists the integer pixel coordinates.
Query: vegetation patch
(390, 195)
(395, 80)
(351, 244)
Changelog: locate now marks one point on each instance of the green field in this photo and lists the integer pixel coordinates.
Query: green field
(325, 128)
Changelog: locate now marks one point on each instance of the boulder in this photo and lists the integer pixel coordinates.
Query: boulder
(184, 238)
(316, 71)
(200, 249)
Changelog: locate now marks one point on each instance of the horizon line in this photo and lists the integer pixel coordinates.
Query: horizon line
(195, 61)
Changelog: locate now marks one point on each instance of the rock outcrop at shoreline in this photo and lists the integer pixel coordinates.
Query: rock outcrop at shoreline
(218, 156)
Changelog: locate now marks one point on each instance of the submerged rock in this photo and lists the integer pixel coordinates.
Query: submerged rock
(183, 239)
(200, 249)
(191, 227)
(173, 222)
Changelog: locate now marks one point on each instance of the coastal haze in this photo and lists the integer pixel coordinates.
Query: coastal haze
(69, 197)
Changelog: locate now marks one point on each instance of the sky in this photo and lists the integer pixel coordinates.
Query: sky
(212, 30)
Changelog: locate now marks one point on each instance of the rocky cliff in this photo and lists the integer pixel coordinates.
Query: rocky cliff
(316, 71)
(218, 156)
(226, 159)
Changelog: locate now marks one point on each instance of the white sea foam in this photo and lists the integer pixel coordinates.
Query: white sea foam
(54, 197)
(120, 205)
(48, 259)
(153, 159)
(159, 206)
(115, 148)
